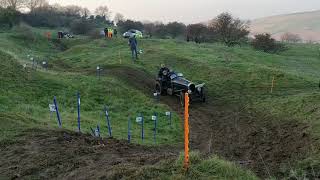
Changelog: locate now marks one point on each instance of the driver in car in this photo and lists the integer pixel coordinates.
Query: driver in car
(164, 71)
(164, 75)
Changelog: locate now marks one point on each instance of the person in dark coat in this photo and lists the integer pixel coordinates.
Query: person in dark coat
(133, 46)
(115, 32)
(105, 32)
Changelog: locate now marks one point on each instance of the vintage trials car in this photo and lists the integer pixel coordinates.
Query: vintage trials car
(172, 83)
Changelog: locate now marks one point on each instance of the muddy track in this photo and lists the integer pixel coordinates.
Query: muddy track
(257, 141)
(47, 154)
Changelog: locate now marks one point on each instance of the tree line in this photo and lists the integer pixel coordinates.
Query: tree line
(225, 28)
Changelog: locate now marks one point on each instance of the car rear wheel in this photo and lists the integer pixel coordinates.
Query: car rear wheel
(203, 96)
(181, 96)
(159, 88)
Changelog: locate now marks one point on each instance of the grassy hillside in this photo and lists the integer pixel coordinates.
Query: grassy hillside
(27, 92)
(273, 134)
(306, 24)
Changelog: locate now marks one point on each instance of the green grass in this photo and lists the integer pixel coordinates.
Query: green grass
(200, 168)
(29, 92)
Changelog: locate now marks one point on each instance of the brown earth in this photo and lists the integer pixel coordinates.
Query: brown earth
(47, 154)
(258, 141)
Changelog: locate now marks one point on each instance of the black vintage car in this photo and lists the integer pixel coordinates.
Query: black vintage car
(172, 83)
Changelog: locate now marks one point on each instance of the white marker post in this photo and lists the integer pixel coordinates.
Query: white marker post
(168, 114)
(52, 109)
(99, 71)
(156, 96)
(139, 120)
(154, 118)
(33, 64)
(44, 64)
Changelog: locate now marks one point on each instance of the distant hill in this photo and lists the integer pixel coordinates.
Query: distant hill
(305, 24)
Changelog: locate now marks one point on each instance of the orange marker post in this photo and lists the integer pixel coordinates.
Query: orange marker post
(186, 132)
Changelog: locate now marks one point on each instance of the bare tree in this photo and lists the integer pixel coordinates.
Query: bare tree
(73, 10)
(15, 4)
(118, 17)
(149, 28)
(290, 37)
(85, 12)
(230, 30)
(33, 4)
(103, 11)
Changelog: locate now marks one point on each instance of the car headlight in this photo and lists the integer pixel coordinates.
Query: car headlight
(189, 91)
(199, 89)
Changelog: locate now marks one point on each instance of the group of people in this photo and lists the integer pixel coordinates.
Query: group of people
(110, 32)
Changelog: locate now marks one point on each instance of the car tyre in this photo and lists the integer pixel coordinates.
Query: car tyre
(159, 89)
(181, 97)
(203, 97)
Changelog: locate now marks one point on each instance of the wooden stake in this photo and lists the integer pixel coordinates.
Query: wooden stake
(120, 57)
(272, 84)
(186, 132)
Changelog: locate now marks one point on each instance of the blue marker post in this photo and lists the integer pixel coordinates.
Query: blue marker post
(108, 121)
(98, 130)
(142, 131)
(78, 102)
(57, 111)
(129, 133)
(155, 119)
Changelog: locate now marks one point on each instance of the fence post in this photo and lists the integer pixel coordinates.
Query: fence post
(57, 111)
(78, 104)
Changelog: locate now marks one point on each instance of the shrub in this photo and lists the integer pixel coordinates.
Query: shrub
(9, 17)
(95, 34)
(129, 24)
(264, 42)
(81, 27)
(24, 32)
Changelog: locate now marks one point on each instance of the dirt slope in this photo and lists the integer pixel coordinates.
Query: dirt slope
(47, 154)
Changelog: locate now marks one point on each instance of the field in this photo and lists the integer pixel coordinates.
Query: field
(305, 24)
(256, 132)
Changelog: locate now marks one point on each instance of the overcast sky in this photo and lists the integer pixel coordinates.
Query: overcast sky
(190, 11)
